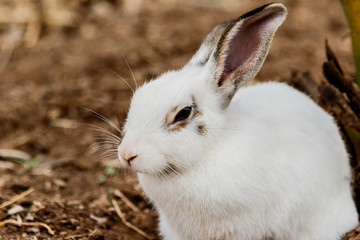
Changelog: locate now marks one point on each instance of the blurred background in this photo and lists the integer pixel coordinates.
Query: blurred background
(61, 57)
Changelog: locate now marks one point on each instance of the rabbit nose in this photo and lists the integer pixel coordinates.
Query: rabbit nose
(128, 157)
(127, 150)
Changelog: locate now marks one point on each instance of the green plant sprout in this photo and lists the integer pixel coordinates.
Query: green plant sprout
(28, 164)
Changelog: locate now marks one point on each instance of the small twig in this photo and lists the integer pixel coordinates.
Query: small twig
(16, 198)
(121, 195)
(33, 224)
(12, 153)
(78, 236)
(126, 223)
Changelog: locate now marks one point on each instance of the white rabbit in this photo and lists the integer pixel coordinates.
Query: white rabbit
(221, 161)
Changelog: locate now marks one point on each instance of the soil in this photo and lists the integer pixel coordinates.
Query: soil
(67, 57)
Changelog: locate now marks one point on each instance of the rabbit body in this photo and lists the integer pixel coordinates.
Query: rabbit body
(223, 161)
(277, 169)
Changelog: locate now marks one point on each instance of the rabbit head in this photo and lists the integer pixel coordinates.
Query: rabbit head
(175, 118)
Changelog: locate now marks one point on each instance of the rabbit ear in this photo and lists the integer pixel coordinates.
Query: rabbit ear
(236, 49)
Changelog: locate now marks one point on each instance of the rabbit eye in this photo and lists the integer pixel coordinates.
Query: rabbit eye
(183, 114)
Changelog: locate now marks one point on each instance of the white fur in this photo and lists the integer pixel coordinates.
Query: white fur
(272, 165)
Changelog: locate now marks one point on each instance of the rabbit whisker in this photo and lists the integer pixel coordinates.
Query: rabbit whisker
(98, 149)
(94, 148)
(104, 131)
(111, 123)
(108, 143)
(111, 143)
(106, 147)
(106, 138)
(110, 150)
(100, 137)
(123, 79)
(132, 73)
(106, 155)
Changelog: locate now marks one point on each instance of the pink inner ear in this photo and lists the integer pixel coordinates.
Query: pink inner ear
(245, 45)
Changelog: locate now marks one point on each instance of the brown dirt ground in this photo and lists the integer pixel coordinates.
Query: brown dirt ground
(51, 76)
